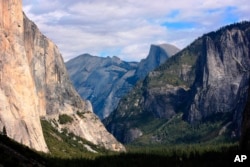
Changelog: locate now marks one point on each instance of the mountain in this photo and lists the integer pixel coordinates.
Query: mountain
(157, 55)
(100, 80)
(34, 84)
(104, 81)
(197, 95)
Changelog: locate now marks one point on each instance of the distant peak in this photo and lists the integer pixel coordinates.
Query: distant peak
(85, 55)
(168, 48)
(116, 58)
(165, 46)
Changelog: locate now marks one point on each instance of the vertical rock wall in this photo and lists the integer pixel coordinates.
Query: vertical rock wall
(34, 83)
(19, 104)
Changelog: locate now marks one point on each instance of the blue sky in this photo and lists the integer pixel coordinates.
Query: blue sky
(127, 28)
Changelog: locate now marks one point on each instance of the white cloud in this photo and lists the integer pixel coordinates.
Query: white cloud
(126, 28)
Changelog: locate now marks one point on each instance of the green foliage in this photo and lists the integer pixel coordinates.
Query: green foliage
(80, 114)
(67, 145)
(15, 154)
(175, 155)
(177, 131)
(243, 26)
(179, 69)
(184, 155)
(4, 131)
(64, 119)
(181, 149)
(128, 103)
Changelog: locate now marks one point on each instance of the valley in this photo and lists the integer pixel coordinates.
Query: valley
(187, 155)
(187, 107)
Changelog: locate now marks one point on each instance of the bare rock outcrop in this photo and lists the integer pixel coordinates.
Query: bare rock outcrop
(34, 83)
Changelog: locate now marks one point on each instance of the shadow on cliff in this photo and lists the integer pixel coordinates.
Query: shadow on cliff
(245, 130)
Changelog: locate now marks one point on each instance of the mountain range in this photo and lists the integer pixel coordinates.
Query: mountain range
(197, 95)
(104, 81)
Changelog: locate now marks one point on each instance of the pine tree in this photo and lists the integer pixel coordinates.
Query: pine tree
(4, 131)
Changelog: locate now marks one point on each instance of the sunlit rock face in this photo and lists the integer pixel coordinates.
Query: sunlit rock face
(19, 103)
(34, 83)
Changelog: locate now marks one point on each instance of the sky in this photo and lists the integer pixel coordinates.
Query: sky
(127, 28)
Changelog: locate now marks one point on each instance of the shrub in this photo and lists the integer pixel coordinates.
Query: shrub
(64, 119)
(80, 114)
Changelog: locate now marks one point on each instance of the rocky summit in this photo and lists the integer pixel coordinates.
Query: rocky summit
(104, 81)
(204, 86)
(34, 84)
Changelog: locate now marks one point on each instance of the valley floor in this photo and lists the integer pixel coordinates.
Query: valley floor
(13, 154)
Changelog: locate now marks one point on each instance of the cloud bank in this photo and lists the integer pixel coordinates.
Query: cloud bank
(126, 28)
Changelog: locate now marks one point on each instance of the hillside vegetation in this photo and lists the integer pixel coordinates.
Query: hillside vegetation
(14, 154)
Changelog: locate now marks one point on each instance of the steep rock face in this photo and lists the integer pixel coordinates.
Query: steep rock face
(19, 109)
(91, 74)
(207, 78)
(164, 105)
(35, 83)
(223, 65)
(158, 54)
(56, 93)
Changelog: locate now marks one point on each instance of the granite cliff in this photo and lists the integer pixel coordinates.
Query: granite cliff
(157, 55)
(19, 109)
(104, 81)
(34, 84)
(204, 85)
